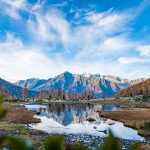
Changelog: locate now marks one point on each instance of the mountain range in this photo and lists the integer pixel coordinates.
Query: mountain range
(78, 83)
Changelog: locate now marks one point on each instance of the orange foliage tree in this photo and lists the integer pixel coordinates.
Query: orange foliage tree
(41, 94)
(25, 91)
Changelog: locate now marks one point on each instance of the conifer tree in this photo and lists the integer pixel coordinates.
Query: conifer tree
(41, 94)
(85, 94)
(25, 91)
(92, 95)
(50, 95)
(69, 94)
(64, 94)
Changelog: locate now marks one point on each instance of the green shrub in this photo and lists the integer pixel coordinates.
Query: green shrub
(2, 111)
(54, 142)
(110, 143)
(135, 146)
(147, 126)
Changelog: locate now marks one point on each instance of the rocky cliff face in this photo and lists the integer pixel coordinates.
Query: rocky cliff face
(32, 83)
(79, 83)
(142, 88)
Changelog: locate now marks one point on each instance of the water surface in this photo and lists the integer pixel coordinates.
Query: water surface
(80, 118)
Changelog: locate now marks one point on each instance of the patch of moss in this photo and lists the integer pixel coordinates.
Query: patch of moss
(22, 130)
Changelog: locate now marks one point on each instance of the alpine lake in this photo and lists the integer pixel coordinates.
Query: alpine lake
(81, 122)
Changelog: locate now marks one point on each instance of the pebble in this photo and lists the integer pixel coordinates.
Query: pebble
(88, 140)
(92, 141)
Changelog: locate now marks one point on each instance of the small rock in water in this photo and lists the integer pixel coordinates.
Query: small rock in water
(90, 119)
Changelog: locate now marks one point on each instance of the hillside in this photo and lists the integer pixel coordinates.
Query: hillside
(14, 90)
(32, 83)
(4, 92)
(142, 88)
(79, 83)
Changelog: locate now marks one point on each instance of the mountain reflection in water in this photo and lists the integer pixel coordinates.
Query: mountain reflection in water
(79, 118)
(66, 114)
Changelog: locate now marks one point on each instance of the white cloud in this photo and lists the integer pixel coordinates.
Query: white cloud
(20, 62)
(114, 46)
(109, 20)
(106, 33)
(50, 26)
(12, 12)
(133, 60)
(19, 4)
(60, 4)
(144, 50)
(23, 64)
(12, 7)
(11, 43)
(97, 38)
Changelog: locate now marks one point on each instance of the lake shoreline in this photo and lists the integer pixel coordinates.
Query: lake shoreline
(132, 118)
(25, 117)
(18, 114)
(123, 103)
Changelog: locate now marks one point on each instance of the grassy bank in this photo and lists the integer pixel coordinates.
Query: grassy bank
(18, 114)
(134, 118)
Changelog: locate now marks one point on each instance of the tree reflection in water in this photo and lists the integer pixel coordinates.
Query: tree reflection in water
(73, 113)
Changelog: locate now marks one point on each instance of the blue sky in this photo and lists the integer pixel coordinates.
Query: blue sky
(43, 38)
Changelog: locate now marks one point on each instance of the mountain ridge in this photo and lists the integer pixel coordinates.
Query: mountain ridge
(142, 88)
(14, 90)
(79, 83)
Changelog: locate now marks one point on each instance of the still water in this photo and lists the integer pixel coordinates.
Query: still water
(80, 118)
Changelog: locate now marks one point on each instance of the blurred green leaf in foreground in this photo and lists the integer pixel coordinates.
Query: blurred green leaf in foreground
(2, 111)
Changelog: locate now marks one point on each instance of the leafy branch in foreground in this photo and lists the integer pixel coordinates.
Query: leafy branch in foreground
(111, 143)
(2, 111)
(14, 142)
(54, 142)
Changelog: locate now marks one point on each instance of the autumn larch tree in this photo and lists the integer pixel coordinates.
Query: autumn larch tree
(92, 96)
(60, 93)
(41, 94)
(76, 97)
(81, 96)
(25, 91)
(50, 94)
(103, 95)
(69, 94)
(85, 94)
(64, 94)
(56, 95)
(44, 94)
(89, 94)
(53, 94)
